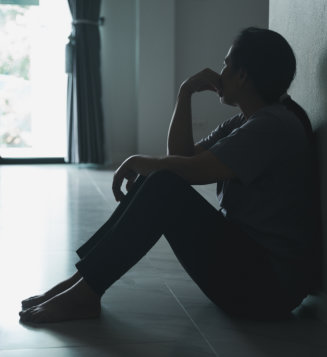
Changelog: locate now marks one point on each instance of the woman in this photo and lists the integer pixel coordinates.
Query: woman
(252, 257)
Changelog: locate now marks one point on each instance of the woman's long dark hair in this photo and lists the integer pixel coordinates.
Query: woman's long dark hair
(294, 107)
(269, 61)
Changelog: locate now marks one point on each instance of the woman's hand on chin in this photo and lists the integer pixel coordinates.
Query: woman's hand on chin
(207, 79)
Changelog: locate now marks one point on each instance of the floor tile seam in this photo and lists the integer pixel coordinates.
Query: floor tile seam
(158, 273)
(163, 281)
(192, 321)
(162, 276)
(97, 187)
(184, 310)
(182, 270)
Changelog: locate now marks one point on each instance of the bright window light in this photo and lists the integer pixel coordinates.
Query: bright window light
(33, 83)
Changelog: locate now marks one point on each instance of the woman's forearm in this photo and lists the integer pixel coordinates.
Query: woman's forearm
(196, 170)
(180, 134)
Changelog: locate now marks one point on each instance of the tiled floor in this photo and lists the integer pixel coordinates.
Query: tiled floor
(155, 310)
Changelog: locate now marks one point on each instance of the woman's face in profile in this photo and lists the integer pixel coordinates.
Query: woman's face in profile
(229, 82)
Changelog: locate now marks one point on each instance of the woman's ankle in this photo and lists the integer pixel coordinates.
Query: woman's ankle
(89, 292)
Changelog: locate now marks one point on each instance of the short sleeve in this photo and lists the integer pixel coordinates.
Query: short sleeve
(221, 131)
(250, 149)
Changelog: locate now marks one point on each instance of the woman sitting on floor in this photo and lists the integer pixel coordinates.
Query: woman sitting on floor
(253, 256)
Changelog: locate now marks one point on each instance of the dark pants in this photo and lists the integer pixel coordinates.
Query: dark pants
(229, 267)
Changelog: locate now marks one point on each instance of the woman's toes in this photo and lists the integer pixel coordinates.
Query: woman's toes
(32, 301)
(27, 301)
(30, 315)
(25, 314)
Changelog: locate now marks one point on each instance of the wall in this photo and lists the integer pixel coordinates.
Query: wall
(155, 73)
(148, 48)
(303, 24)
(118, 61)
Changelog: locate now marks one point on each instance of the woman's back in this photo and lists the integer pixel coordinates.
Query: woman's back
(272, 199)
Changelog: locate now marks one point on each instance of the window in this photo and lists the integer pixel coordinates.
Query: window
(33, 83)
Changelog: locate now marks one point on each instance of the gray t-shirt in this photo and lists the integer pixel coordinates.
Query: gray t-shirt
(271, 199)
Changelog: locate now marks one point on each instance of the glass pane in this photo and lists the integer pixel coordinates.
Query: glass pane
(33, 80)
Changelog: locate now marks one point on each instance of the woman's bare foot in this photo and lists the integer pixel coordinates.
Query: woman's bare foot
(77, 302)
(57, 289)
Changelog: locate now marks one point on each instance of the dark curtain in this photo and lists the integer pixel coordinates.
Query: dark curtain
(84, 106)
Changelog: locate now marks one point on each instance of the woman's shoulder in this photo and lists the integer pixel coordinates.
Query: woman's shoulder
(278, 117)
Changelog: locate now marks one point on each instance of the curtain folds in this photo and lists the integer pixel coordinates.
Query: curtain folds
(84, 105)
